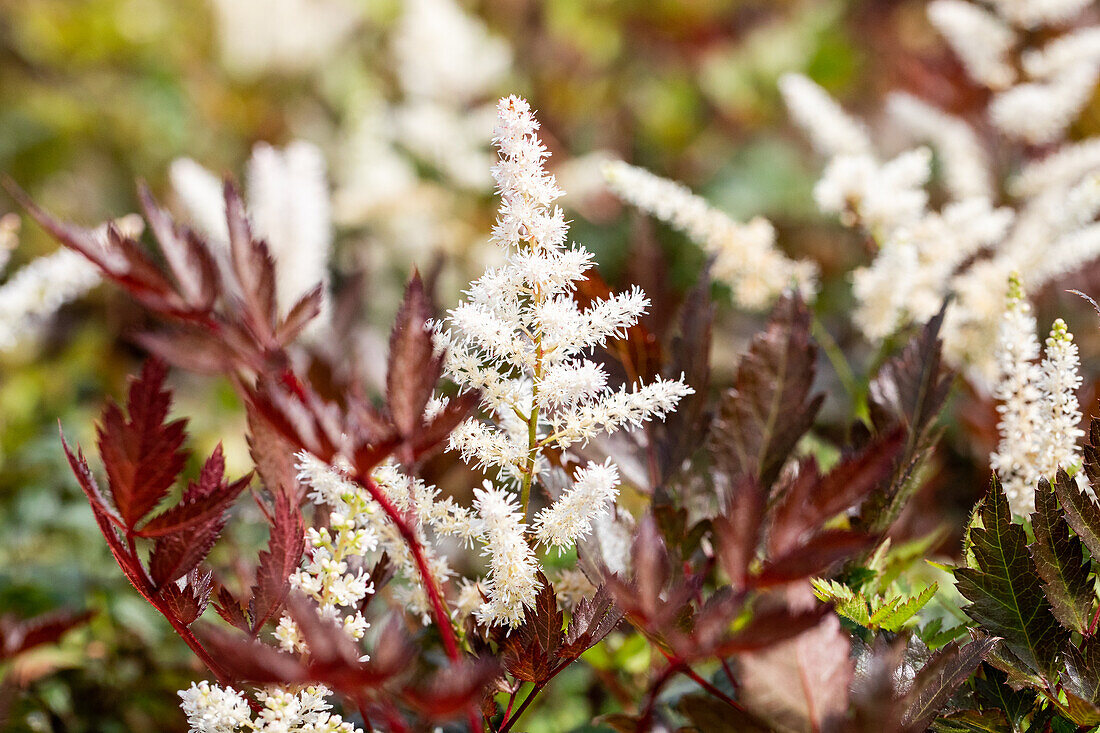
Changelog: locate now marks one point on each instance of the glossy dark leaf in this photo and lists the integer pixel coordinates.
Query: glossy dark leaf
(1005, 591)
(1081, 510)
(1082, 670)
(769, 408)
(938, 680)
(1060, 560)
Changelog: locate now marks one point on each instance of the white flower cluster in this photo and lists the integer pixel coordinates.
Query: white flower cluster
(969, 247)
(257, 37)
(368, 528)
(38, 289)
(519, 337)
(512, 581)
(288, 205)
(745, 256)
(1058, 79)
(1037, 404)
(327, 580)
(213, 709)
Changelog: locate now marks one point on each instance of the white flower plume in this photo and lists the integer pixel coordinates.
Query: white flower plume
(745, 255)
(1037, 404)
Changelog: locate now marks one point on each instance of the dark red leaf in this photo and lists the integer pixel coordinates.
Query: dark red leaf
(809, 503)
(813, 558)
(202, 502)
(231, 609)
(737, 530)
(283, 554)
(413, 367)
(17, 636)
(142, 452)
(188, 603)
(769, 407)
(177, 554)
(301, 313)
(454, 689)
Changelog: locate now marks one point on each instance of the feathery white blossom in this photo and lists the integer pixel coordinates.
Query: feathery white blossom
(1081, 46)
(281, 36)
(513, 569)
(1032, 13)
(1037, 404)
(443, 54)
(519, 337)
(964, 161)
(745, 256)
(1040, 111)
(213, 709)
(570, 517)
(911, 276)
(981, 40)
(1059, 170)
(288, 204)
(571, 586)
(31, 296)
(879, 196)
(831, 129)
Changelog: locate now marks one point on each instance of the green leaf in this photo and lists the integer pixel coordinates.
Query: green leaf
(846, 602)
(972, 721)
(1060, 559)
(1082, 513)
(899, 613)
(1005, 591)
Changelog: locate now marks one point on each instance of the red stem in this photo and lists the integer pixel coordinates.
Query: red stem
(506, 725)
(439, 606)
(682, 666)
(1095, 620)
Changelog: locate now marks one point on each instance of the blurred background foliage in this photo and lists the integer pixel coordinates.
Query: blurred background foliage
(97, 93)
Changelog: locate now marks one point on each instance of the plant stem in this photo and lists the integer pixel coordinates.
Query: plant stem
(435, 597)
(836, 357)
(533, 421)
(506, 725)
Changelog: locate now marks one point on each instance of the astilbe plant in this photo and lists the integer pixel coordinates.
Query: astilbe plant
(743, 530)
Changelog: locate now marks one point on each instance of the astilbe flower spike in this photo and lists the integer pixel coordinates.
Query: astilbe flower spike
(520, 337)
(1038, 405)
